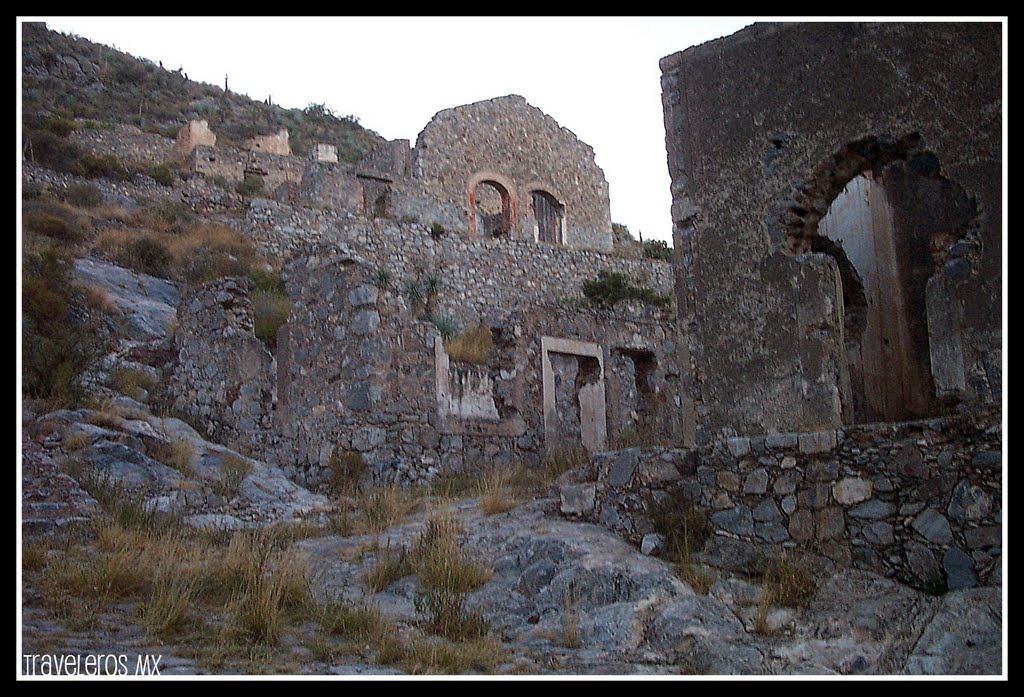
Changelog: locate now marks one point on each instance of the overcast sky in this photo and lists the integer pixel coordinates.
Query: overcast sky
(598, 76)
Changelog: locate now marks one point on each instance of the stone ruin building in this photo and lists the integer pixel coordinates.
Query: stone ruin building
(827, 376)
(495, 218)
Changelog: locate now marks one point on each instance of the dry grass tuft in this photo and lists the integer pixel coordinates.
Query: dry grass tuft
(439, 562)
(432, 657)
(382, 508)
(472, 346)
(233, 471)
(496, 493)
(178, 454)
(75, 441)
(130, 381)
(391, 565)
(98, 299)
(571, 620)
(786, 583)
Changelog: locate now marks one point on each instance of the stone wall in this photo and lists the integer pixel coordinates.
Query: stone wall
(764, 129)
(128, 143)
(479, 277)
(232, 165)
(917, 501)
(361, 370)
(224, 376)
(509, 141)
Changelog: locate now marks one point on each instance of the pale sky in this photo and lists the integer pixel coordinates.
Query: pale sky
(598, 76)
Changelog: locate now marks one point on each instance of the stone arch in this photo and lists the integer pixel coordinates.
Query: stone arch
(547, 213)
(883, 210)
(482, 221)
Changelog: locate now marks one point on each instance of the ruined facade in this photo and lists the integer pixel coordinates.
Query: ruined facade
(387, 260)
(837, 222)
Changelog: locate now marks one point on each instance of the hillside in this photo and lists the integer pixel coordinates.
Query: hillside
(71, 77)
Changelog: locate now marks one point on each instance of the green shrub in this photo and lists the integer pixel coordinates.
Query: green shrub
(681, 523)
(437, 230)
(106, 165)
(55, 350)
(60, 126)
(267, 281)
(52, 226)
(84, 195)
(251, 185)
(657, 249)
(48, 150)
(162, 174)
(611, 287)
(146, 255)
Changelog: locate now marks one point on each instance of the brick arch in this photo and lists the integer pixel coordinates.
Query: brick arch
(508, 191)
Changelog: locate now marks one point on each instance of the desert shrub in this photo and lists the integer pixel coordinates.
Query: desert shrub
(206, 252)
(445, 614)
(391, 565)
(472, 345)
(382, 278)
(84, 195)
(177, 454)
(52, 226)
(496, 493)
(146, 255)
(267, 281)
(786, 583)
(60, 126)
(46, 149)
(55, 350)
(105, 165)
(437, 230)
(251, 185)
(162, 174)
(610, 287)
(657, 249)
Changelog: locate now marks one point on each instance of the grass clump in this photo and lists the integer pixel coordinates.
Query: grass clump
(429, 656)
(391, 565)
(383, 507)
(657, 249)
(684, 528)
(345, 470)
(496, 493)
(166, 611)
(251, 185)
(611, 287)
(472, 345)
(270, 312)
(177, 454)
(362, 623)
(786, 583)
(146, 255)
(233, 471)
(446, 325)
(131, 381)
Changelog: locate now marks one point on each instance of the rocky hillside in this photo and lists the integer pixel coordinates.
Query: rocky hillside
(70, 77)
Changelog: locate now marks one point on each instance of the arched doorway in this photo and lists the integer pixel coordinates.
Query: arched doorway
(491, 209)
(888, 217)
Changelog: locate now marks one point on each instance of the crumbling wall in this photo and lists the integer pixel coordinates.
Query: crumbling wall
(126, 142)
(508, 139)
(223, 378)
(764, 129)
(193, 133)
(918, 501)
(232, 165)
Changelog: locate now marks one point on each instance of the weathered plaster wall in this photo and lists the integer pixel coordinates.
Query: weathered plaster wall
(763, 130)
(918, 501)
(270, 144)
(525, 149)
(193, 133)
